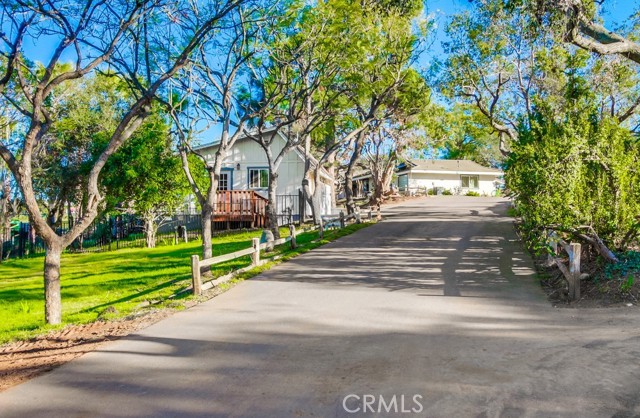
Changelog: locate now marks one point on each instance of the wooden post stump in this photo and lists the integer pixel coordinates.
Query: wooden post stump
(574, 270)
(292, 233)
(195, 275)
(341, 219)
(255, 256)
(267, 237)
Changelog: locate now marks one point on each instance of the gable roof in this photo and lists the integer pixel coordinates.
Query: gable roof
(447, 166)
(298, 150)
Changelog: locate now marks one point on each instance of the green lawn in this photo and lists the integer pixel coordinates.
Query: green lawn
(117, 283)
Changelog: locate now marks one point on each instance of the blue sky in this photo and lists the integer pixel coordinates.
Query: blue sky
(615, 13)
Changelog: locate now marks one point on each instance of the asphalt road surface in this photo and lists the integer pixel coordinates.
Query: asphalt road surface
(434, 312)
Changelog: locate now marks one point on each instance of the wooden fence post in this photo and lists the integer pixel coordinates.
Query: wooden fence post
(255, 257)
(195, 275)
(574, 270)
(321, 229)
(292, 232)
(341, 219)
(358, 218)
(553, 243)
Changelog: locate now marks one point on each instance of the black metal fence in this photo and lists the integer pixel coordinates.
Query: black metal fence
(127, 231)
(290, 208)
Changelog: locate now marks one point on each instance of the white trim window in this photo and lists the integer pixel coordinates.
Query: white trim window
(223, 181)
(258, 178)
(470, 182)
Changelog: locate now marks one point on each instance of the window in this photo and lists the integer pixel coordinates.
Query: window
(223, 183)
(403, 182)
(470, 182)
(258, 178)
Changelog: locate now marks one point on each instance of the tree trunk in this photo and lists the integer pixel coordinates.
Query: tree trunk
(331, 162)
(316, 197)
(207, 244)
(272, 207)
(52, 298)
(348, 183)
(150, 230)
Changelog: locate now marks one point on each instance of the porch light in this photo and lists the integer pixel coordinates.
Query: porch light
(238, 166)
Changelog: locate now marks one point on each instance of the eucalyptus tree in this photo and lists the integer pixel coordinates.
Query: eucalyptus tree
(124, 36)
(298, 85)
(211, 95)
(566, 113)
(383, 84)
(385, 145)
(493, 52)
(502, 55)
(461, 132)
(580, 23)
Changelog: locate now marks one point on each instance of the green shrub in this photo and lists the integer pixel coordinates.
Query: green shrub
(579, 169)
(472, 193)
(447, 192)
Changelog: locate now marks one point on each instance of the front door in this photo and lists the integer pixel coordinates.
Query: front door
(225, 180)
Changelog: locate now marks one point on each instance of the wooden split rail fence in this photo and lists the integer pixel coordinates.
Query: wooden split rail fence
(197, 265)
(572, 272)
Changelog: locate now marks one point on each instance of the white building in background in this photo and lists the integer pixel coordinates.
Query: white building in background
(246, 168)
(457, 176)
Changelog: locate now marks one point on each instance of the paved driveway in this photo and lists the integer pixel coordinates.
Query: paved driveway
(435, 311)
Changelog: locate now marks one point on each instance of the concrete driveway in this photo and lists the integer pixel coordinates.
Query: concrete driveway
(433, 313)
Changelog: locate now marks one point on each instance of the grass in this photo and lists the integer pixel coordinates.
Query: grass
(115, 284)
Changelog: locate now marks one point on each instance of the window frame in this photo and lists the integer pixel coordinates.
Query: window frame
(258, 169)
(229, 173)
(468, 186)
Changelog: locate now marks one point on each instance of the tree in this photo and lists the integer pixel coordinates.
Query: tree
(577, 175)
(145, 175)
(403, 100)
(559, 106)
(209, 97)
(124, 36)
(579, 22)
(296, 91)
(462, 133)
(9, 205)
(377, 70)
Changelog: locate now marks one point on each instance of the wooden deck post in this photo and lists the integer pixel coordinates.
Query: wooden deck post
(574, 270)
(292, 232)
(341, 219)
(255, 257)
(195, 275)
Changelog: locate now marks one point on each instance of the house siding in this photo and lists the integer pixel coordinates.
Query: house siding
(250, 155)
(452, 181)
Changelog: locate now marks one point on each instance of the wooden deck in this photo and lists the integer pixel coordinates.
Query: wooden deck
(240, 209)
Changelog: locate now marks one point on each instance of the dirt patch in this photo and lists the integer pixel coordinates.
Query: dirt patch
(23, 360)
